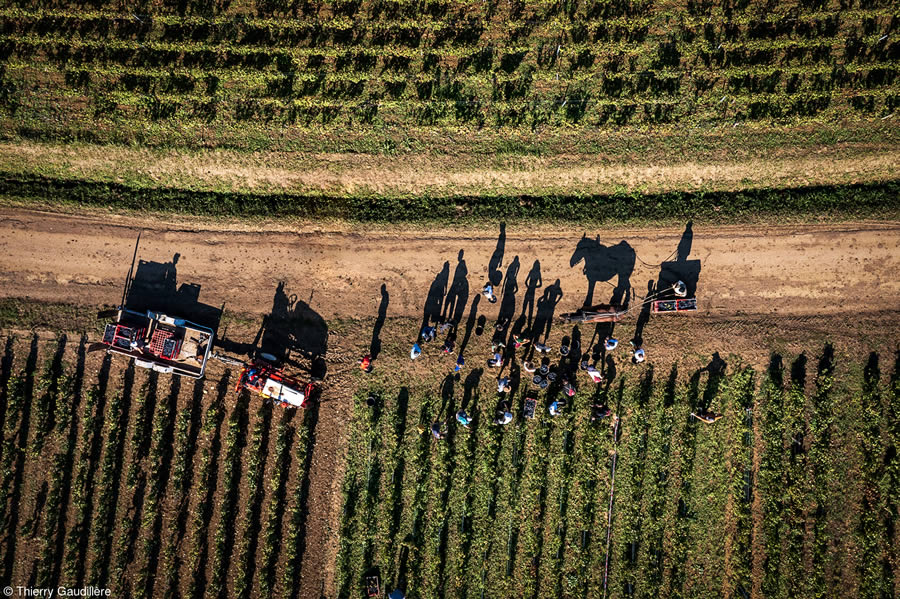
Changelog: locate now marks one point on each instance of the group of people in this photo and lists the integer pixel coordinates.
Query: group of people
(541, 374)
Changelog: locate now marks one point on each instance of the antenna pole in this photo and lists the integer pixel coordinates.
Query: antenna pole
(130, 270)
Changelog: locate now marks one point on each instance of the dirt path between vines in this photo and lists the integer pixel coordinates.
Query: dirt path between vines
(759, 288)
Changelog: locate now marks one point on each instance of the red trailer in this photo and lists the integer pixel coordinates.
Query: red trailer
(265, 379)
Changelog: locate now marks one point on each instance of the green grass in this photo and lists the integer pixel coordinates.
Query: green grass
(877, 200)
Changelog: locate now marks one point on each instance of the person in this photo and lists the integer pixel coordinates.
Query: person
(706, 416)
(528, 366)
(503, 417)
(557, 406)
(428, 334)
(568, 388)
(448, 346)
(436, 431)
(545, 368)
(680, 289)
(519, 341)
(599, 412)
(497, 346)
(564, 350)
(460, 362)
(595, 374)
(365, 363)
(610, 344)
(463, 418)
(585, 362)
(396, 594)
(638, 356)
(488, 292)
(503, 385)
(495, 361)
(444, 326)
(415, 352)
(541, 348)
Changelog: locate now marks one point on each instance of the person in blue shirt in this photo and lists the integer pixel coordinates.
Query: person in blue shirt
(610, 344)
(557, 406)
(463, 418)
(415, 352)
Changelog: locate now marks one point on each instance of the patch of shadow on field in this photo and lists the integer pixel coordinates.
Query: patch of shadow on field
(434, 301)
(292, 328)
(154, 286)
(198, 577)
(396, 489)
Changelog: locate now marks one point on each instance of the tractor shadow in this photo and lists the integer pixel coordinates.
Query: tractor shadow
(154, 286)
(292, 333)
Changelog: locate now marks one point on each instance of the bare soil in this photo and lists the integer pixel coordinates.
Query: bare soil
(761, 288)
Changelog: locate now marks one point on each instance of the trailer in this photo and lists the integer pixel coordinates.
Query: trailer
(153, 339)
(264, 378)
(160, 342)
(596, 313)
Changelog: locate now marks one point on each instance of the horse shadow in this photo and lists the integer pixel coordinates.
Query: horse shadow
(603, 263)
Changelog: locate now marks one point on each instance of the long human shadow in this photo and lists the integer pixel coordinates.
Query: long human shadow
(397, 476)
(533, 282)
(434, 301)
(495, 276)
(602, 263)
(154, 286)
(292, 333)
(643, 317)
(681, 269)
(470, 325)
(507, 301)
(5, 372)
(458, 293)
(375, 345)
(546, 306)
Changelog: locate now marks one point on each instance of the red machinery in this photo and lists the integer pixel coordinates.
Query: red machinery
(265, 379)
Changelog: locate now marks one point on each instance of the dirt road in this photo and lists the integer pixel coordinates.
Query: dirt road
(803, 269)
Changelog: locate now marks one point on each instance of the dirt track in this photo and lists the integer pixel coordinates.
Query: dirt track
(809, 277)
(802, 269)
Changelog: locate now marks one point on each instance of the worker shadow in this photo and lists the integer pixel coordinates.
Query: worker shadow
(375, 345)
(546, 307)
(643, 317)
(154, 286)
(495, 275)
(507, 301)
(292, 333)
(458, 294)
(434, 301)
(470, 387)
(470, 324)
(681, 269)
(533, 282)
(603, 263)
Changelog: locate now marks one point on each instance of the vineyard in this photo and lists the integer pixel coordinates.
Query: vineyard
(793, 493)
(148, 485)
(135, 71)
